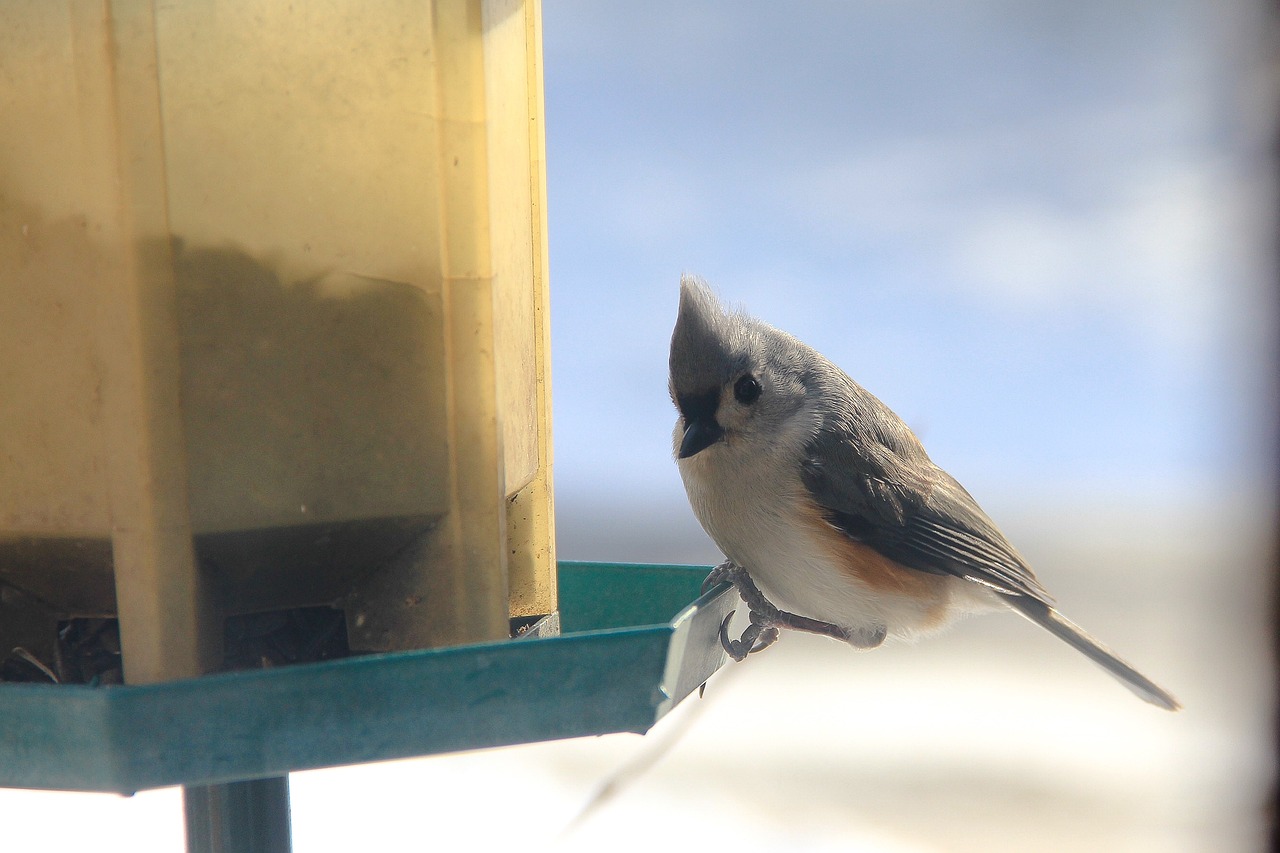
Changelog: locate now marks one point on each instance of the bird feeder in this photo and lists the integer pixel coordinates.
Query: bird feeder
(275, 399)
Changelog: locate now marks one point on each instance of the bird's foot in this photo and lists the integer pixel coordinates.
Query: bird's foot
(766, 619)
(756, 637)
(726, 572)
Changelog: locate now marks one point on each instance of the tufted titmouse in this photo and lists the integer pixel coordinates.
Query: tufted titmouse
(819, 494)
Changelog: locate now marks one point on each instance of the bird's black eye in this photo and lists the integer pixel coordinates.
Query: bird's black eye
(746, 390)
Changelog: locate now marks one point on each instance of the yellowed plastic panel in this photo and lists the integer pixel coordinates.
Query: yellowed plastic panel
(166, 611)
(274, 276)
(302, 151)
(512, 233)
(53, 471)
(53, 479)
(302, 195)
(517, 154)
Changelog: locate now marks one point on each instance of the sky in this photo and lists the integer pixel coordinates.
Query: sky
(1031, 229)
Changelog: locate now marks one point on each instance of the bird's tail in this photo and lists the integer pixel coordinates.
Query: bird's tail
(1055, 623)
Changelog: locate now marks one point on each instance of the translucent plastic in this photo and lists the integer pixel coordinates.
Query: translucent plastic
(272, 281)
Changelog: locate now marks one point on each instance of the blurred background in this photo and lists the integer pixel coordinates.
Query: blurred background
(1042, 233)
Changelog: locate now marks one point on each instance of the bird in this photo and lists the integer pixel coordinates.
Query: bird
(831, 515)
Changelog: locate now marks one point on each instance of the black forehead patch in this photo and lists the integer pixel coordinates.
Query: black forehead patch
(699, 407)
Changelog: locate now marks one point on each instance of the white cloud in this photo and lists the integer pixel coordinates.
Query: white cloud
(1104, 209)
(1155, 253)
(1018, 252)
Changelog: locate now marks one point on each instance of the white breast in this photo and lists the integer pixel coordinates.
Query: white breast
(751, 508)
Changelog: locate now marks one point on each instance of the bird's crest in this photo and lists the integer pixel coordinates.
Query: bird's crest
(702, 350)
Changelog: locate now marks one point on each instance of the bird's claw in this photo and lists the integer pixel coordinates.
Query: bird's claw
(756, 637)
(726, 572)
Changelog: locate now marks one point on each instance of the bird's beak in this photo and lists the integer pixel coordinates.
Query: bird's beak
(700, 434)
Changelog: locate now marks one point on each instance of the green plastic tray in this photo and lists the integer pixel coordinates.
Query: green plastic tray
(636, 640)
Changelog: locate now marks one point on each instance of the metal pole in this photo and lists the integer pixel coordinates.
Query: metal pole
(239, 817)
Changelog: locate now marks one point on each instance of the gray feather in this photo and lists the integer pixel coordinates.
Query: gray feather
(1062, 628)
(871, 474)
(704, 348)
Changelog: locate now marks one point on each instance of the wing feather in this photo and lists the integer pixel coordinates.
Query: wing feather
(879, 487)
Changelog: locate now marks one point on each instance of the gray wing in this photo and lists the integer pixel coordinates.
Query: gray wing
(876, 484)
